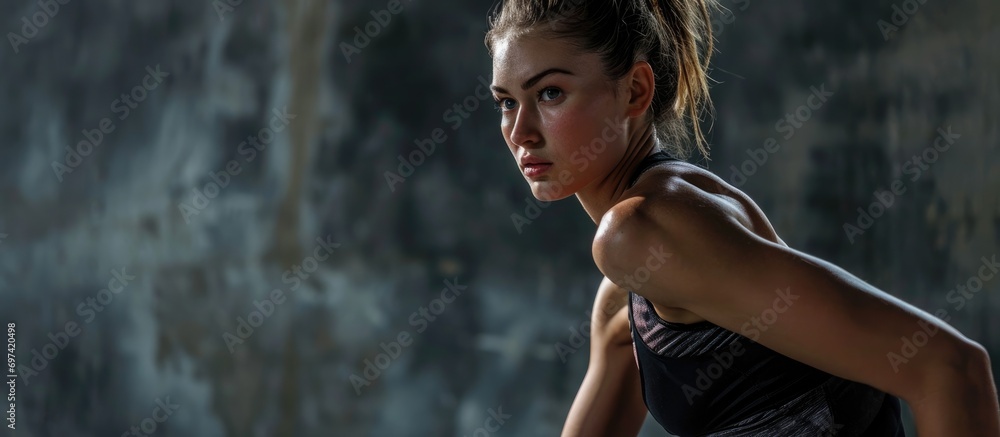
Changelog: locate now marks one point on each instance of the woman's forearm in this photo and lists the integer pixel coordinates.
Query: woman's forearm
(962, 402)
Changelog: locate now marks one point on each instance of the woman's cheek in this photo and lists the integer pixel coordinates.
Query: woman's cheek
(568, 129)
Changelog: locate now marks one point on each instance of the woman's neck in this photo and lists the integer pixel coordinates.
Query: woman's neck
(602, 194)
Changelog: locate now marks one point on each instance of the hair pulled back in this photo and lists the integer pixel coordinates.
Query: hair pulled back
(673, 36)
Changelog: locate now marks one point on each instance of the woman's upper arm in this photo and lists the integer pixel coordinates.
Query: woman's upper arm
(609, 320)
(793, 303)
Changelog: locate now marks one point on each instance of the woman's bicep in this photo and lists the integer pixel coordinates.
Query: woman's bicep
(813, 311)
(609, 317)
(793, 303)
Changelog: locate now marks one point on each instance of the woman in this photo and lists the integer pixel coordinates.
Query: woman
(705, 317)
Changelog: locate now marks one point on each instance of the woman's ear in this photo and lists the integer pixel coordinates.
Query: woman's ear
(640, 85)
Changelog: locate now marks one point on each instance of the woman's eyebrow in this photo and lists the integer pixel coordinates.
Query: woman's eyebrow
(534, 79)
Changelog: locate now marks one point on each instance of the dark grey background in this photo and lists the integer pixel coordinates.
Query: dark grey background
(323, 176)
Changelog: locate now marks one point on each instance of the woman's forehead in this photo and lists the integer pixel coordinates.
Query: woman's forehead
(516, 58)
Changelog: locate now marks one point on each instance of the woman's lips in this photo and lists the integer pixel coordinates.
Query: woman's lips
(535, 170)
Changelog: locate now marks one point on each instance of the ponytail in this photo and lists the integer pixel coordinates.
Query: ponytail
(687, 44)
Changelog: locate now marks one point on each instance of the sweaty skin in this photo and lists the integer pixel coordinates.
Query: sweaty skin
(722, 270)
(703, 186)
(726, 260)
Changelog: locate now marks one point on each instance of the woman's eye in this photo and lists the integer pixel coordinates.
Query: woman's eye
(550, 93)
(503, 104)
(507, 104)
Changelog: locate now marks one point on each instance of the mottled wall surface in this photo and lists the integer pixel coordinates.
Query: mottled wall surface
(196, 217)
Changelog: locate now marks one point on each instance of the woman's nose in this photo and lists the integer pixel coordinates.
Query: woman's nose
(525, 131)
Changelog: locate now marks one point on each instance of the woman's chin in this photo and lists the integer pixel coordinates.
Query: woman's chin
(550, 191)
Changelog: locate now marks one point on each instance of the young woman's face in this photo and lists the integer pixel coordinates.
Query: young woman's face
(558, 109)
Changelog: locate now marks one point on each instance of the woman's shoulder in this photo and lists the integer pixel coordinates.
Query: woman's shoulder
(680, 195)
(675, 207)
(673, 196)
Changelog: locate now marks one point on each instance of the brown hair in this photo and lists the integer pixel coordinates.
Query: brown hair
(673, 36)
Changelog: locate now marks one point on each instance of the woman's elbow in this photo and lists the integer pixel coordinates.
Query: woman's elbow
(961, 370)
(978, 367)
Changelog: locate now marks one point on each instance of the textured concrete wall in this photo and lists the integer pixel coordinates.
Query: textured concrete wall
(224, 245)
